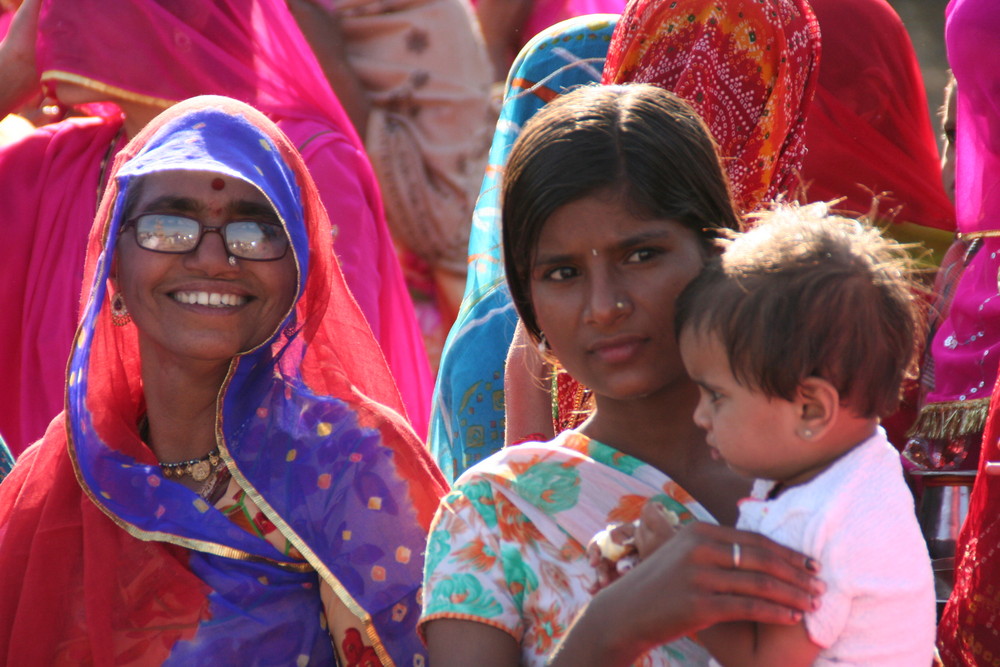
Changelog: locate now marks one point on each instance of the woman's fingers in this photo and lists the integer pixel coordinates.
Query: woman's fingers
(656, 525)
(760, 586)
(725, 608)
(750, 565)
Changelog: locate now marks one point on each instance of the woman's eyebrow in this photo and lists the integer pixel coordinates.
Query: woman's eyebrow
(190, 205)
(253, 209)
(173, 203)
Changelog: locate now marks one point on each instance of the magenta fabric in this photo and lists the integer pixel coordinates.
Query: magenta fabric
(49, 185)
(967, 345)
(545, 13)
(250, 50)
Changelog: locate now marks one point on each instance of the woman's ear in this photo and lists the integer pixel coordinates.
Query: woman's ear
(818, 404)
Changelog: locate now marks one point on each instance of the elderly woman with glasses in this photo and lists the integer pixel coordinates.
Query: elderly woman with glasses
(232, 475)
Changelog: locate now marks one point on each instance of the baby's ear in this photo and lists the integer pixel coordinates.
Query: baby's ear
(818, 404)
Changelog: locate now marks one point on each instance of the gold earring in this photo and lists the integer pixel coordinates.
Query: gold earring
(119, 312)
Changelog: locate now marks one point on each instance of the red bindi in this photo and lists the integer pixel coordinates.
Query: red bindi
(218, 184)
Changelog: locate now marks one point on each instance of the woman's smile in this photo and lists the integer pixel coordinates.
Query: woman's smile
(218, 300)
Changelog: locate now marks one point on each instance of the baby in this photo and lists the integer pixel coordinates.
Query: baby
(798, 337)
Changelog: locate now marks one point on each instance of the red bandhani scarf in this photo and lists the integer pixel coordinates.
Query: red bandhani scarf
(749, 69)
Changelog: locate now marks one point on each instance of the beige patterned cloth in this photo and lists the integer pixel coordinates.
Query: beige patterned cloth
(425, 68)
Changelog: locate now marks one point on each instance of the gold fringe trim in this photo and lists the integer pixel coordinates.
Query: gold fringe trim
(985, 234)
(939, 421)
(93, 84)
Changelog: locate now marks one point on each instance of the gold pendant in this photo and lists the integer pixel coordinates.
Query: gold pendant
(200, 471)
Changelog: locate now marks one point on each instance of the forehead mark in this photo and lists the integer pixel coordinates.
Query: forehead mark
(218, 184)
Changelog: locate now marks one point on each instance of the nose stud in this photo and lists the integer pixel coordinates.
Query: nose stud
(620, 305)
(232, 260)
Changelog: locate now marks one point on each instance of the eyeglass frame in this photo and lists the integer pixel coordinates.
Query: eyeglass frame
(204, 229)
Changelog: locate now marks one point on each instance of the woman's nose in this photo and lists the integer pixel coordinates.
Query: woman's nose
(211, 254)
(608, 299)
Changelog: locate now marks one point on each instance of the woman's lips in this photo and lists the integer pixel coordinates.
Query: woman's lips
(617, 349)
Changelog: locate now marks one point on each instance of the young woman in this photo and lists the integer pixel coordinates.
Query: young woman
(610, 201)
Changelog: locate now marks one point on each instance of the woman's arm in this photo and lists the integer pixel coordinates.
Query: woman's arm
(456, 643)
(18, 71)
(526, 397)
(321, 29)
(687, 585)
(747, 644)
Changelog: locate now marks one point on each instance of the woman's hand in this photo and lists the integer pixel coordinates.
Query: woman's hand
(709, 574)
(18, 69)
(695, 579)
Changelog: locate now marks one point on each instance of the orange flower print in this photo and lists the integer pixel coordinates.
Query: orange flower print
(477, 554)
(675, 491)
(514, 526)
(628, 508)
(546, 628)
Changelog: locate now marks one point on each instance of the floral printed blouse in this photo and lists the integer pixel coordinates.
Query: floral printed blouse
(508, 545)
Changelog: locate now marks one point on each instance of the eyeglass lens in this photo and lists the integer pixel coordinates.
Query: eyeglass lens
(246, 239)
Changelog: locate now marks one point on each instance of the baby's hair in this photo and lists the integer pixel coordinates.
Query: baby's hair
(807, 294)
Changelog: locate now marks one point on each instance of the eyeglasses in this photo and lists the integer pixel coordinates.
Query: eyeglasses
(175, 234)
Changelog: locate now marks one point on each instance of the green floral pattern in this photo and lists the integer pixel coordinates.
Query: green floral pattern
(508, 546)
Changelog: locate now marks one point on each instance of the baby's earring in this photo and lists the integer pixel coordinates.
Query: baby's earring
(807, 433)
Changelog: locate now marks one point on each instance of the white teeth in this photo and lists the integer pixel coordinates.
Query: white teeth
(213, 299)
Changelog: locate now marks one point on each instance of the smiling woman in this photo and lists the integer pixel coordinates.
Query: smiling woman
(186, 297)
(232, 474)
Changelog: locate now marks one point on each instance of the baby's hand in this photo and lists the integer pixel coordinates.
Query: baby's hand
(619, 547)
(612, 552)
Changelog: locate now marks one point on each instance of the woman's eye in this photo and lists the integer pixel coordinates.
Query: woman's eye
(641, 255)
(561, 273)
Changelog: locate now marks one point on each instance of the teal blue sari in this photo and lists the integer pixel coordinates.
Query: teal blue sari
(467, 418)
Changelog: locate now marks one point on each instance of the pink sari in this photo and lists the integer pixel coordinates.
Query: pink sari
(252, 51)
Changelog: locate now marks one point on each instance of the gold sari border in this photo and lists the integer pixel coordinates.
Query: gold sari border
(984, 234)
(289, 533)
(951, 419)
(114, 91)
(314, 561)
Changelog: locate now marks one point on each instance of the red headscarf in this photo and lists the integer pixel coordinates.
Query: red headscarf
(869, 131)
(748, 68)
